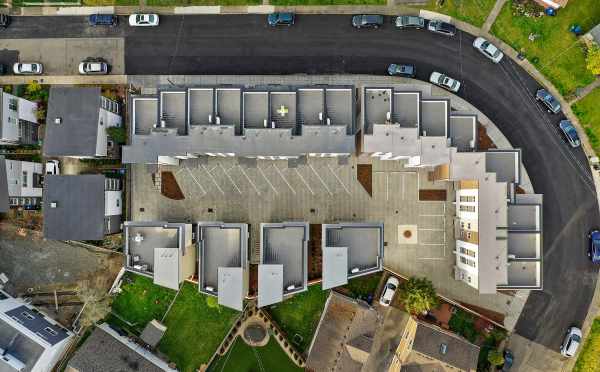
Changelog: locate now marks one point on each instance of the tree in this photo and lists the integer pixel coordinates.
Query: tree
(118, 134)
(495, 358)
(418, 295)
(593, 59)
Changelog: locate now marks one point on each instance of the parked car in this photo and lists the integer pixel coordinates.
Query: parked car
(488, 49)
(28, 68)
(402, 70)
(143, 20)
(508, 360)
(409, 22)
(444, 81)
(93, 68)
(441, 27)
(548, 100)
(570, 132)
(571, 342)
(52, 167)
(367, 21)
(388, 291)
(3, 69)
(4, 20)
(594, 246)
(281, 19)
(103, 20)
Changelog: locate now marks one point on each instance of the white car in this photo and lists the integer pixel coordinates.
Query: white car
(488, 49)
(143, 20)
(389, 290)
(52, 167)
(28, 68)
(93, 68)
(571, 342)
(444, 81)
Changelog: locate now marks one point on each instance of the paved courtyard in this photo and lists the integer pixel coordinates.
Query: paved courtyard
(320, 190)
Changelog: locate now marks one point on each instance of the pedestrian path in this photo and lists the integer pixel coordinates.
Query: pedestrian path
(491, 18)
(586, 90)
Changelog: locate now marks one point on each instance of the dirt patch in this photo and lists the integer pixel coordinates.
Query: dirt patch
(432, 195)
(253, 280)
(364, 173)
(520, 190)
(169, 186)
(483, 140)
(315, 252)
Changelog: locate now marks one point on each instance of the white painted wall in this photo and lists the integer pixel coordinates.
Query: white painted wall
(106, 119)
(14, 175)
(26, 110)
(113, 203)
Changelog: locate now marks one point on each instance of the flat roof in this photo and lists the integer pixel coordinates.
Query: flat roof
(231, 284)
(286, 244)
(364, 253)
(524, 217)
(524, 274)
(525, 245)
(311, 106)
(407, 109)
(78, 212)
(463, 132)
(434, 117)
(221, 245)
(505, 163)
(335, 263)
(201, 106)
(173, 110)
(145, 114)
(445, 347)
(270, 284)
(377, 104)
(18, 345)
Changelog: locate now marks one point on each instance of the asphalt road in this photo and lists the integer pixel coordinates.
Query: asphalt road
(244, 44)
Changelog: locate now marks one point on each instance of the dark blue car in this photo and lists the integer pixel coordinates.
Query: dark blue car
(281, 19)
(103, 20)
(594, 248)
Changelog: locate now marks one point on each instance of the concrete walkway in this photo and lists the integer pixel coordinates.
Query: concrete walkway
(585, 91)
(493, 15)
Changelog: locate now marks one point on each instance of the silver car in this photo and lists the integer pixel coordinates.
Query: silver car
(93, 68)
(409, 22)
(488, 49)
(571, 343)
(28, 68)
(444, 81)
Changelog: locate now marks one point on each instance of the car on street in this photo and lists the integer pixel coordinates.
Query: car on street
(388, 291)
(548, 100)
(441, 27)
(571, 342)
(409, 22)
(3, 69)
(143, 20)
(594, 246)
(52, 167)
(28, 68)
(444, 81)
(93, 68)
(103, 20)
(281, 19)
(570, 133)
(508, 360)
(4, 20)
(367, 21)
(488, 49)
(402, 70)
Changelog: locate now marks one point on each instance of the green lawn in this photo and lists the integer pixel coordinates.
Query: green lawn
(300, 315)
(141, 301)
(474, 12)
(327, 2)
(556, 52)
(589, 357)
(109, 2)
(588, 112)
(243, 358)
(362, 287)
(202, 2)
(194, 330)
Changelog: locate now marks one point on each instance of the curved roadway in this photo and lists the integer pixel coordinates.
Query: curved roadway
(243, 44)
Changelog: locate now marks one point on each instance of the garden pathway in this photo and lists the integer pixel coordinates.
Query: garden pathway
(586, 90)
(493, 15)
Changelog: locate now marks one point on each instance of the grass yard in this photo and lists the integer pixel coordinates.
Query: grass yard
(202, 2)
(327, 2)
(362, 287)
(243, 358)
(141, 301)
(474, 12)
(588, 112)
(300, 315)
(194, 329)
(589, 357)
(556, 52)
(109, 2)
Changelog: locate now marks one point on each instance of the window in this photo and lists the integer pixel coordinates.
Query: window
(118, 202)
(467, 208)
(50, 331)
(13, 104)
(467, 199)
(467, 252)
(469, 226)
(27, 315)
(467, 261)
(24, 179)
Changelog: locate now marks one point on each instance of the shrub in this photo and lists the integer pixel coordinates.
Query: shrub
(495, 358)
(463, 323)
(118, 134)
(212, 302)
(592, 59)
(418, 295)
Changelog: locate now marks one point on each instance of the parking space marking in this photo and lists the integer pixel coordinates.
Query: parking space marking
(284, 179)
(212, 177)
(320, 179)
(230, 179)
(338, 178)
(195, 180)
(431, 229)
(267, 179)
(249, 180)
(304, 182)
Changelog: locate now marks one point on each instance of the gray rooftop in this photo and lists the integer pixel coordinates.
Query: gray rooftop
(445, 347)
(286, 244)
(102, 352)
(79, 207)
(463, 132)
(3, 186)
(505, 163)
(524, 217)
(38, 324)
(434, 117)
(270, 284)
(525, 245)
(299, 120)
(18, 345)
(364, 254)
(232, 288)
(78, 108)
(524, 274)
(335, 264)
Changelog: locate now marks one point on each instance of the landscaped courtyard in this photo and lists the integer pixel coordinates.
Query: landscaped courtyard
(299, 316)
(589, 357)
(196, 325)
(471, 11)
(555, 51)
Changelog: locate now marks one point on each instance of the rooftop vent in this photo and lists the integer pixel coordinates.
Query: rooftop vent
(58, 120)
(138, 238)
(54, 204)
(443, 349)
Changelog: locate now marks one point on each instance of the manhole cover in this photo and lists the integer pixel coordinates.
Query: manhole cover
(255, 333)
(407, 234)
